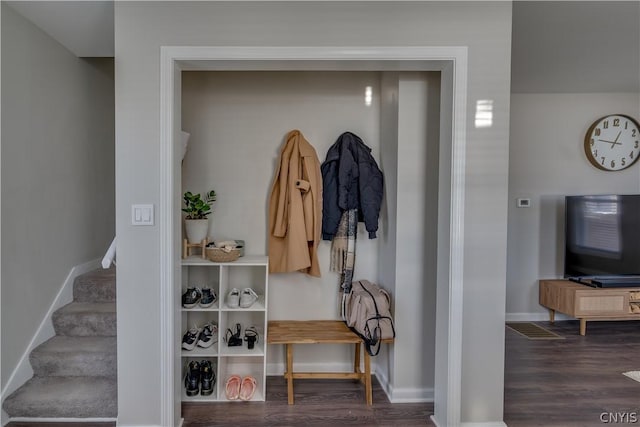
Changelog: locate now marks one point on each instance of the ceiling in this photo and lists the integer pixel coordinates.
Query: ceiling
(83, 27)
(557, 47)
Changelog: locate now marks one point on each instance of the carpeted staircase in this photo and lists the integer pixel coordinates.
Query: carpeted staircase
(75, 371)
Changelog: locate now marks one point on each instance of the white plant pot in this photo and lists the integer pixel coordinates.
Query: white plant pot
(196, 229)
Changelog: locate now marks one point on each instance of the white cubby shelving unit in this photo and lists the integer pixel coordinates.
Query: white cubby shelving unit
(246, 272)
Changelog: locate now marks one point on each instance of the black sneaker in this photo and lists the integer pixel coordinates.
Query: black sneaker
(191, 297)
(190, 338)
(208, 335)
(208, 297)
(192, 379)
(207, 378)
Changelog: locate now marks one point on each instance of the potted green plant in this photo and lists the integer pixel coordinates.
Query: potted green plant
(196, 223)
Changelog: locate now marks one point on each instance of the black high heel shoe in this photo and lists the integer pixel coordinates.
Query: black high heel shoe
(233, 339)
(251, 336)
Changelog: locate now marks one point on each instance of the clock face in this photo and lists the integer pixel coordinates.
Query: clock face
(612, 143)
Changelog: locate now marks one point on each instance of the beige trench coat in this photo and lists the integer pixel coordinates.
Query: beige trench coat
(295, 209)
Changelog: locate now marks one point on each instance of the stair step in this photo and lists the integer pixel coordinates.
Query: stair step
(64, 397)
(75, 371)
(95, 286)
(75, 356)
(86, 319)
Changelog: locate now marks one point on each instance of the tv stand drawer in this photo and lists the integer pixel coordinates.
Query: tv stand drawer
(598, 305)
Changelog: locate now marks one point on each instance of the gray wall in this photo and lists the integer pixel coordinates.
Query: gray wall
(141, 28)
(237, 122)
(57, 173)
(387, 253)
(547, 162)
(417, 228)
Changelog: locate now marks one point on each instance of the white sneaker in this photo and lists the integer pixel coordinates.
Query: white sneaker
(248, 297)
(233, 298)
(190, 338)
(208, 336)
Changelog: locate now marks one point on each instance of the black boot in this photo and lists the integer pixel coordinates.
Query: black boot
(207, 378)
(192, 379)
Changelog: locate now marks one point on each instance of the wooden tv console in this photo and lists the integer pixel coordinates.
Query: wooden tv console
(587, 303)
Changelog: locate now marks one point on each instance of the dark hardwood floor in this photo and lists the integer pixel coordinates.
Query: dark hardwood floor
(550, 383)
(317, 403)
(575, 381)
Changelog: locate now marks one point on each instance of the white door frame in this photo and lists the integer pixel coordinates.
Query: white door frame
(450, 60)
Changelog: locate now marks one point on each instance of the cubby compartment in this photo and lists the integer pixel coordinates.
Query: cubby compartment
(243, 277)
(243, 366)
(230, 320)
(197, 319)
(202, 276)
(214, 396)
(247, 272)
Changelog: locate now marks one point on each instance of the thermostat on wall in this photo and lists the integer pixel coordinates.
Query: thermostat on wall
(524, 203)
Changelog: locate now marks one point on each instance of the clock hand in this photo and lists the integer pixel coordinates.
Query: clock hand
(610, 142)
(616, 140)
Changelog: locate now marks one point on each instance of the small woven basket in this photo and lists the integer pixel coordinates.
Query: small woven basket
(218, 255)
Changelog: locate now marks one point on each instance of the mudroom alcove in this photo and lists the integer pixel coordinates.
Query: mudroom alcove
(238, 112)
(237, 121)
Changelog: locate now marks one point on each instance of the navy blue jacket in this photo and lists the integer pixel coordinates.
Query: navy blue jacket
(351, 179)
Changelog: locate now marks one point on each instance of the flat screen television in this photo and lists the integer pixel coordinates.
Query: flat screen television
(602, 236)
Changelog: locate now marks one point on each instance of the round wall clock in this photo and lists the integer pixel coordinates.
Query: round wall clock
(612, 142)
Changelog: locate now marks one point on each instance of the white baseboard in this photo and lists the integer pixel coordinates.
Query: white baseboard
(403, 395)
(144, 425)
(5, 417)
(411, 395)
(485, 424)
(467, 424)
(62, 420)
(119, 424)
(384, 382)
(534, 317)
(23, 371)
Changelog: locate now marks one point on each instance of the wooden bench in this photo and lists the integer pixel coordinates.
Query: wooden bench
(289, 332)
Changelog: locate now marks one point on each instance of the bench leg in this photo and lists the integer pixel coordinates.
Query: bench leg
(367, 378)
(356, 359)
(289, 374)
(583, 327)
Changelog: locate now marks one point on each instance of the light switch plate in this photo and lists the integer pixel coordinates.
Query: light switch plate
(142, 215)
